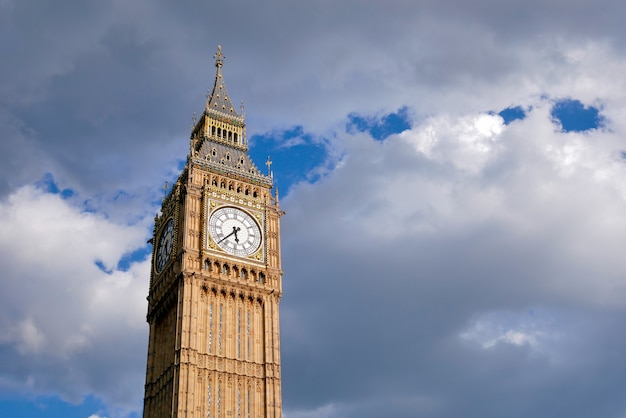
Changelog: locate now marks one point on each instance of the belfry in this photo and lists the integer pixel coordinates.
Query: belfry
(216, 279)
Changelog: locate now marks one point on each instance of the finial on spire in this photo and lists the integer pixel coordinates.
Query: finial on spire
(194, 120)
(268, 163)
(165, 187)
(219, 57)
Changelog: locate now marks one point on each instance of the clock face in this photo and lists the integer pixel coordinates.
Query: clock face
(165, 244)
(235, 231)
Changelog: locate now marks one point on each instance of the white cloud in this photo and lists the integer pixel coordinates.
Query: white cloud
(68, 324)
(431, 235)
(466, 142)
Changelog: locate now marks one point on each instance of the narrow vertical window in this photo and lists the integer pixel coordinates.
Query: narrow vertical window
(238, 333)
(219, 337)
(219, 399)
(248, 335)
(249, 402)
(239, 402)
(208, 401)
(210, 328)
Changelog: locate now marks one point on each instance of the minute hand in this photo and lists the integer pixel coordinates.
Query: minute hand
(235, 230)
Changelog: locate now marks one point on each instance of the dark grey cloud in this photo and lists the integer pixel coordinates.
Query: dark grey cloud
(121, 81)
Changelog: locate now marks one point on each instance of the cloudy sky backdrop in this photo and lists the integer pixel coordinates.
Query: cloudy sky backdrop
(453, 172)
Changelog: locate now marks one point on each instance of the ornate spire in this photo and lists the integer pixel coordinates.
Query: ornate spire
(219, 101)
(218, 139)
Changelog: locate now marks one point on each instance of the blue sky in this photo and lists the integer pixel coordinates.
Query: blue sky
(452, 176)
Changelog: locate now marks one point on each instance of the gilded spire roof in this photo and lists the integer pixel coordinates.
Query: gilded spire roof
(219, 100)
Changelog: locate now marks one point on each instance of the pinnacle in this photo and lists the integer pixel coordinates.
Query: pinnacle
(218, 100)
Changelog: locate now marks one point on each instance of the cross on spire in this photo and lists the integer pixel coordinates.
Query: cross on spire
(219, 57)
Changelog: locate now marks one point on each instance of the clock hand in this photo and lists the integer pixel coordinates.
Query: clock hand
(226, 237)
(235, 230)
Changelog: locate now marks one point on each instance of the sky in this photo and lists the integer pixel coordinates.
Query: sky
(453, 175)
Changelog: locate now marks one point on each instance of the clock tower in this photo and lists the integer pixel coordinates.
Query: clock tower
(216, 279)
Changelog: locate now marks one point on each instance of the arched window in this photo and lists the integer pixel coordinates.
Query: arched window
(243, 274)
(261, 278)
(207, 265)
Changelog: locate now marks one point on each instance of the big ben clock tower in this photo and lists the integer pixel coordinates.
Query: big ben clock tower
(216, 279)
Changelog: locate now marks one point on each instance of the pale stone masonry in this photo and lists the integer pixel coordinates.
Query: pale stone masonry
(216, 279)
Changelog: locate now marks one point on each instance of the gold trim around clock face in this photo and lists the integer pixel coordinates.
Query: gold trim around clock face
(234, 231)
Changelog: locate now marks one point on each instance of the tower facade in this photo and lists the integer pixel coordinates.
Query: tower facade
(216, 279)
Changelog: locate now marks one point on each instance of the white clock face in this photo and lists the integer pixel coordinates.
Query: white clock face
(235, 231)
(165, 244)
